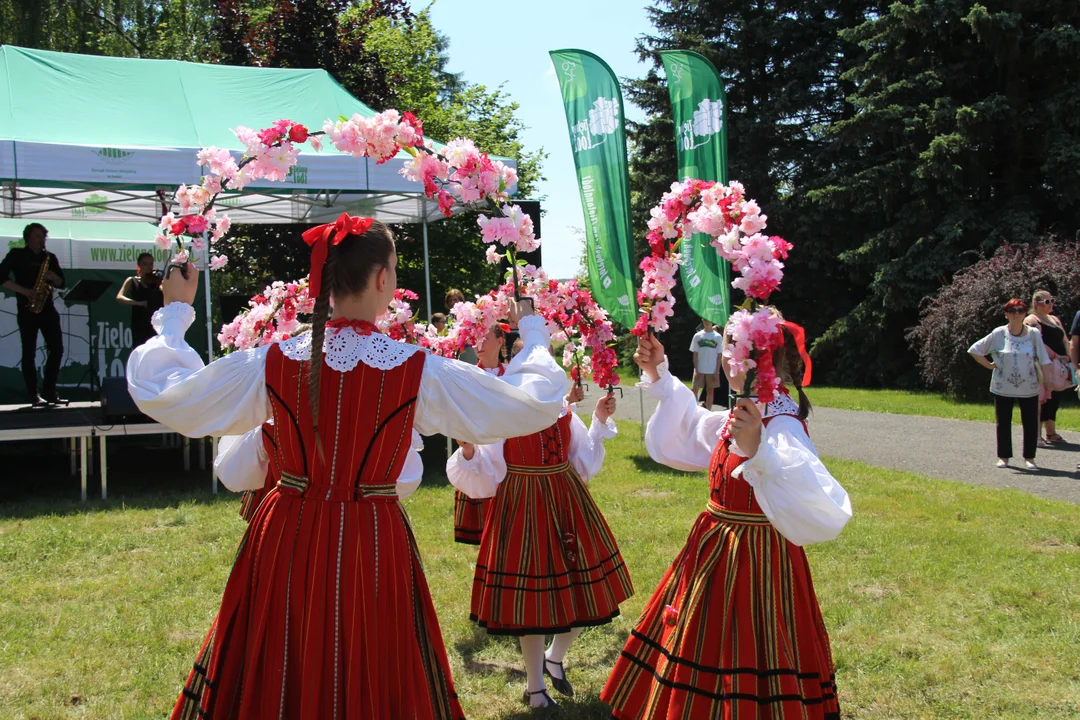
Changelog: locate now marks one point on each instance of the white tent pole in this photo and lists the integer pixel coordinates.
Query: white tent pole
(427, 267)
(209, 321)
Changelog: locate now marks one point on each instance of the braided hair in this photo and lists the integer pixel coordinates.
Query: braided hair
(349, 267)
(790, 368)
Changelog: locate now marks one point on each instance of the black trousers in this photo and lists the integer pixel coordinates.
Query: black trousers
(48, 323)
(1029, 418)
(1049, 409)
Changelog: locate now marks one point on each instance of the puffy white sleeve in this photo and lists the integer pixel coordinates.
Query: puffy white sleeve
(794, 489)
(464, 402)
(987, 345)
(480, 476)
(587, 445)
(680, 434)
(242, 462)
(412, 472)
(169, 381)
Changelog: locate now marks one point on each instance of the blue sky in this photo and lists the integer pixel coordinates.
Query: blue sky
(506, 42)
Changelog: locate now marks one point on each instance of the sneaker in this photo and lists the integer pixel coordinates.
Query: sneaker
(1030, 465)
(1003, 463)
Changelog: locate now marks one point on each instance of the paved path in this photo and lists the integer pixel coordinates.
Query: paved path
(936, 447)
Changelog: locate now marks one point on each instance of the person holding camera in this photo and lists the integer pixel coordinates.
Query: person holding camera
(143, 293)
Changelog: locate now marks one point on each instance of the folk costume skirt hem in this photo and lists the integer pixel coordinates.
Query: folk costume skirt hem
(733, 630)
(548, 561)
(326, 614)
(469, 517)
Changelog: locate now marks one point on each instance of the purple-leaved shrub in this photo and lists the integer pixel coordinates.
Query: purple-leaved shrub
(971, 306)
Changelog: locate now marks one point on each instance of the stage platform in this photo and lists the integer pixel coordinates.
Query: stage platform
(81, 422)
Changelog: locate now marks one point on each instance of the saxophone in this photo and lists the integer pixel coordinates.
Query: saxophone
(42, 289)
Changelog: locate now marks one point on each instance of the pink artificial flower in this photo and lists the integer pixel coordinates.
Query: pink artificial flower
(197, 224)
(217, 262)
(163, 242)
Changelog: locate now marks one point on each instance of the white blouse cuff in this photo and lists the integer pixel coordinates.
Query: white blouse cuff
(475, 464)
(533, 330)
(173, 320)
(664, 384)
(765, 464)
(600, 431)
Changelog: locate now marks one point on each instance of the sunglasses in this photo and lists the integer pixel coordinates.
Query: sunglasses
(1013, 311)
(1046, 301)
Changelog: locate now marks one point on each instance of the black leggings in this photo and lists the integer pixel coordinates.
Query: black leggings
(1029, 417)
(1050, 407)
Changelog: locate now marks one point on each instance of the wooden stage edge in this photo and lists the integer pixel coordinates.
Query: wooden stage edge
(81, 422)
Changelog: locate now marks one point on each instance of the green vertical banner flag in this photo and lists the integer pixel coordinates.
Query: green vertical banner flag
(698, 103)
(594, 112)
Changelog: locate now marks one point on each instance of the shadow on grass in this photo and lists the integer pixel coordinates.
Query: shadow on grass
(644, 463)
(478, 640)
(590, 708)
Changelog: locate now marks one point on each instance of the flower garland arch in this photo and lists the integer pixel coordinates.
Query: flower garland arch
(734, 223)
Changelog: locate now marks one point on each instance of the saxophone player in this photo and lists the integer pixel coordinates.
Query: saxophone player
(36, 272)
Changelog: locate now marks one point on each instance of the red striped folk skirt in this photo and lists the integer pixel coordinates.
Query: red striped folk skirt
(326, 614)
(548, 561)
(733, 631)
(469, 517)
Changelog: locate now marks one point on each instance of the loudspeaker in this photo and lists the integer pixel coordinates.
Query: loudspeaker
(532, 209)
(116, 402)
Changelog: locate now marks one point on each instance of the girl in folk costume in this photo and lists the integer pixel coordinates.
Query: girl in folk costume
(734, 628)
(470, 513)
(548, 563)
(326, 613)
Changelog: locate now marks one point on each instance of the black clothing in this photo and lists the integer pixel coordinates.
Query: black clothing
(1049, 409)
(1029, 418)
(48, 323)
(1054, 338)
(25, 264)
(141, 329)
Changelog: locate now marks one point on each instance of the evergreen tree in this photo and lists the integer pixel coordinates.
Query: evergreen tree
(782, 64)
(966, 135)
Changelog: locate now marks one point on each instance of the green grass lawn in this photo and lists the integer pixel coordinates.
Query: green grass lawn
(943, 600)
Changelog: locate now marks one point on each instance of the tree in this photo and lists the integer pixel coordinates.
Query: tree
(177, 29)
(782, 64)
(413, 54)
(965, 136)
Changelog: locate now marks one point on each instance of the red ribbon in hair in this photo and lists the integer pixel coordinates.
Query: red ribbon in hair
(322, 237)
(505, 327)
(800, 342)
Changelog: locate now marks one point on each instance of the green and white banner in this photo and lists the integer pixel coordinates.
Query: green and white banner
(697, 103)
(594, 113)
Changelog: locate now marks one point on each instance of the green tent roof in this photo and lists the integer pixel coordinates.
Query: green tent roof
(94, 100)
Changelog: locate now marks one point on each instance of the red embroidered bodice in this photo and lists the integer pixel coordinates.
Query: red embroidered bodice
(548, 448)
(365, 422)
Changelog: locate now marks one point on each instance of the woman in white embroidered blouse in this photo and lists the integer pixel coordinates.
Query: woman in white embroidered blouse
(1019, 359)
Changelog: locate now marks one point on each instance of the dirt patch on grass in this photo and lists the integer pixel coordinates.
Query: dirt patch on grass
(877, 592)
(651, 493)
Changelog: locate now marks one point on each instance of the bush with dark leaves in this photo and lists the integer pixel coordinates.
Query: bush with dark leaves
(970, 307)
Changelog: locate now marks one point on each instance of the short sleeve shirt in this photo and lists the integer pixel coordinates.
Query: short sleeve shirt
(707, 347)
(1015, 358)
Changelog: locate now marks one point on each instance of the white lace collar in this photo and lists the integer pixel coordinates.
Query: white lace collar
(343, 348)
(782, 404)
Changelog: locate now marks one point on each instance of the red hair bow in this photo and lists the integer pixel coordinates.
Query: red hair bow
(322, 237)
(505, 327)
(800, 342)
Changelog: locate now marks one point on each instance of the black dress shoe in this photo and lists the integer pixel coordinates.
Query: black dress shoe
(37, 401)
(55, 400)
(561, 684)
(552, 706)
